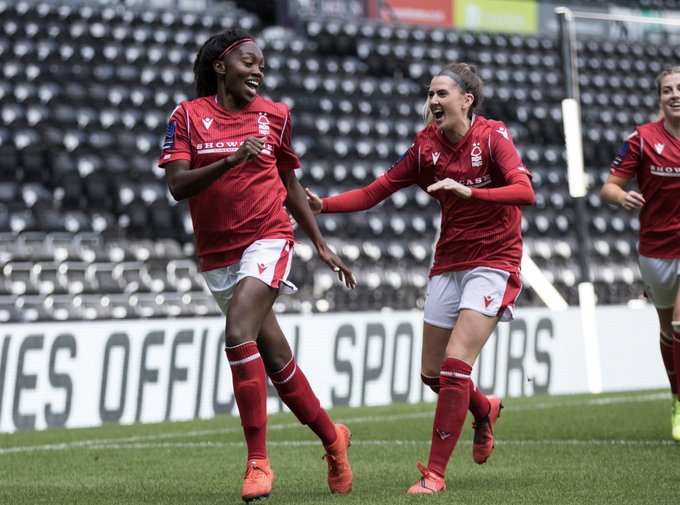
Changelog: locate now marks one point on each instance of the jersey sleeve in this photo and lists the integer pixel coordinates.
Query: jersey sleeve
(400, 175)
(628, 158)
(404, 172)
(176, 145)
(517, 192)
(286, 159)
(504, 153)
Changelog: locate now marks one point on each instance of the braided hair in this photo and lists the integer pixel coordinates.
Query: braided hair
(204, 74)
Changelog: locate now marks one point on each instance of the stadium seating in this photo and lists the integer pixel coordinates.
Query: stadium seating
(88, 229)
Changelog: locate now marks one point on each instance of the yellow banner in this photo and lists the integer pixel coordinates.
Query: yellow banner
(515, 16)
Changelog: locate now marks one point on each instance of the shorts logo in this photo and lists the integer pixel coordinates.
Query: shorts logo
(261, 267)
(487, 300)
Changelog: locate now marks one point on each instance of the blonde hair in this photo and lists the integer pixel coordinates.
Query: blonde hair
(666, 72)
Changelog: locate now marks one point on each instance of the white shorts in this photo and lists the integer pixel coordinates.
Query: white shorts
(489, 291)
(268, 260)
(660, 276)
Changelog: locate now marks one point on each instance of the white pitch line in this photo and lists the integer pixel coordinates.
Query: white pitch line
(125, 441)
(310, 443)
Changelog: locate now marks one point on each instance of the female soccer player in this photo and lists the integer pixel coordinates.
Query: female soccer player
(652, 155)
(469, 164)
(229, 152)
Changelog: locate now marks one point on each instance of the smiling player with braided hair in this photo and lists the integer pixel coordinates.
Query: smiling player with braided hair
(229, 152)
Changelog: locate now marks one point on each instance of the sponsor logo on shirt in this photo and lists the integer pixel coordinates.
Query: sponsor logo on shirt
(659, 148)
(476, 155)
(207, 121)
(263, 124)
(477, 182)
(169, 141)
(226, 147)
(664, 171)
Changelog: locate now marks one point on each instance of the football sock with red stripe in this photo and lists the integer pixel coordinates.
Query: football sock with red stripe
(250, 391)
(667, 354)
(295, 391)
(449, 417)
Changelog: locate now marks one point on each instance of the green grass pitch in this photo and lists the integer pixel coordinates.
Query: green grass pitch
(586, 449)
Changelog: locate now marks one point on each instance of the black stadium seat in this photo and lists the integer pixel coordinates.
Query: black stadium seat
(87, 89)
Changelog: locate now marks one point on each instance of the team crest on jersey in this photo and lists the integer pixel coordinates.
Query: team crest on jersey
(207, 121)
(476, 155)
(503, 132)
(263, 124)
(659, 148)
(435, 158)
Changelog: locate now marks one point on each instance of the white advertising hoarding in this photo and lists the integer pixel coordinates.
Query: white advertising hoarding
(89, 373)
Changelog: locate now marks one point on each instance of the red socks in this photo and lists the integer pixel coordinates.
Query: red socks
(449, 417)
(297, 394)
(431, 381)
(675, 364)
(250, 391)
(667, 353)
(479, 405)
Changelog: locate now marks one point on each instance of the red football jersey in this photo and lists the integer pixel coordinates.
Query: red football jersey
(474, 232)
(246, 203)
(653, 156)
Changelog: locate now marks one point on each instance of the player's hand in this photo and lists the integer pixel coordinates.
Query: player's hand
(314, 201)
(251, 148)
(450, 185)
(337, 265)
(632, 200)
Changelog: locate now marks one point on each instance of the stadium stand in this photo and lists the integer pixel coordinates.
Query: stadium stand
(88, 229)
